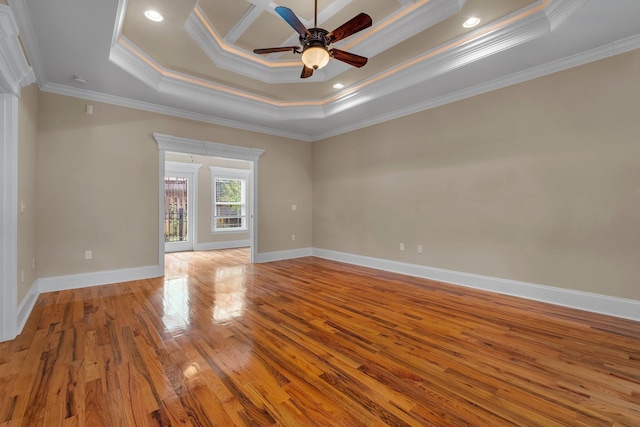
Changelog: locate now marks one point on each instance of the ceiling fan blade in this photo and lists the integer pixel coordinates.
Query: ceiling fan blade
(291, 18)
(294, 49)
(355, 24)
(306, 72)
(349, 58)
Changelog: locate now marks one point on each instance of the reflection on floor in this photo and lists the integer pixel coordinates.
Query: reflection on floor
(227, 284)
(218, 341)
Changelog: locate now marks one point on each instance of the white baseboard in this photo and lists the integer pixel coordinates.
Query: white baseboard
(231, 244)
(26, 306)
(282, 255)
(75, 281)
(618, 307)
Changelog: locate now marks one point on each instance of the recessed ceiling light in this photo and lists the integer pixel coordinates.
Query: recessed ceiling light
(153, 15)
(338, 86)
(471, 22)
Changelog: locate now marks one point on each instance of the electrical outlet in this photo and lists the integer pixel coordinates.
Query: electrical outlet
(294, 207)
(402, 246)
(419, 249)
(293, 237)
(33, 263)
(22, 275)
(88, 255)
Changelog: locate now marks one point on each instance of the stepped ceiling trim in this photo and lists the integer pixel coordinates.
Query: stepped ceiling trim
(517, 28)
(539, 38)
(15, 71)
(395, 29)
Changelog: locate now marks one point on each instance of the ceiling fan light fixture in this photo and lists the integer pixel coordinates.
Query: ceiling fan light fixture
(315, 41)
(315, 57)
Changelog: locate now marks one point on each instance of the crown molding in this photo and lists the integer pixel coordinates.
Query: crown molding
(27, 35)
(527, 24)
(413, 20)
(512, 30)
(559, 11)
(602, 52)
(15, 72)
(234, 59)
(248, 17)
(135, 62)
(168, 111)
(612, 49)
(218, 97)
(441, 59)
(396, 28)
(121, 13)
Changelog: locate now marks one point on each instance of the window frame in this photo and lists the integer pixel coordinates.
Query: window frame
(230, 173)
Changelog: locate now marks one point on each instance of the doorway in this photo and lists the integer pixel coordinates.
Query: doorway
(176, 144)
(180, 206)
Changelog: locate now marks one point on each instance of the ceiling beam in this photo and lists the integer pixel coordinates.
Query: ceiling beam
(249, 17)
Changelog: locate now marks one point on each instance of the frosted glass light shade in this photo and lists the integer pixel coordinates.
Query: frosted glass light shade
(315, 57)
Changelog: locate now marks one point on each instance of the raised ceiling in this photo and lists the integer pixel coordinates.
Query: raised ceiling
(198, 62)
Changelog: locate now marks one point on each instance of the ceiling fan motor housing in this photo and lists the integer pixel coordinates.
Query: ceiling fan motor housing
(318, 38)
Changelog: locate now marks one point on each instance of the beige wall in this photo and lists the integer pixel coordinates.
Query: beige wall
(27, 138)
(205, 194)
(98, 185)
(538, 182)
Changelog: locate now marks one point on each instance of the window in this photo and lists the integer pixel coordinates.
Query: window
(230, 188)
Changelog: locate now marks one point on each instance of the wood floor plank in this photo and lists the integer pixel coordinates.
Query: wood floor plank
(309, 342)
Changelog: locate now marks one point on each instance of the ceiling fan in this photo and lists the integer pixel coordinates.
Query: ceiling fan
(315, 41)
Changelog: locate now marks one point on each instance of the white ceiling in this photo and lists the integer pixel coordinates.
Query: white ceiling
(198, 62)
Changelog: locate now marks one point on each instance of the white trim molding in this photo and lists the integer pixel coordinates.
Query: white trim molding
(169, 111)
(408, 21)
(96, 278)
(228, 244)
(531, 22)
(241, 174)
(206, 148)
(282, 255)
(82, 280)
(15, 72)
(606, 51)
(28, 38)
(603, 304)
(178, 144)
(26, 306)
(9, 218)
(538, 19)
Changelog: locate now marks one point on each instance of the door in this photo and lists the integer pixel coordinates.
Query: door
(179, 211)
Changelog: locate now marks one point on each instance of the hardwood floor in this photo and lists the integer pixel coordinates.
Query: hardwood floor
(310, 342)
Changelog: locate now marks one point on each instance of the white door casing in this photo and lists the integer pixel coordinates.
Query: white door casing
(176, 144)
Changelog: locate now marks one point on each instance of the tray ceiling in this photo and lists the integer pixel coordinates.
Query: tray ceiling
(198, 61)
